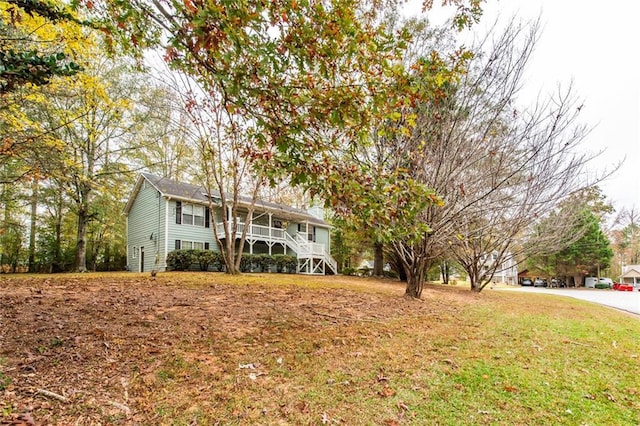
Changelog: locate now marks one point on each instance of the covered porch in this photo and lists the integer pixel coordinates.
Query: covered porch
(295, 239)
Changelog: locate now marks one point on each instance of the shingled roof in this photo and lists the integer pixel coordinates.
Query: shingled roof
(198, 194)
(631, 271)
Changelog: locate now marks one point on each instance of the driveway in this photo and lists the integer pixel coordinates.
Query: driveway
(628, 301)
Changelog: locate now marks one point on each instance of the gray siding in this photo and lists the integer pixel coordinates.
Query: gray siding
(184, 232)
(145, 230)
(322, 237)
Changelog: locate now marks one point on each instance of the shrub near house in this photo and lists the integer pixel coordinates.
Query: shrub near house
(207, 260)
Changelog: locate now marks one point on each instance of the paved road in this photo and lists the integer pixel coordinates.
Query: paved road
(625, 300)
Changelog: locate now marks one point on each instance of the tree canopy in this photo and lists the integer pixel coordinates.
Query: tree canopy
(37, 41)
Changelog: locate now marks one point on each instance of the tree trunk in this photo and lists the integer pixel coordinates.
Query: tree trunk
(416, 274)
(56, 264)
(229, 257)
(577, 281)
(378, 260)
(444, 269)
(107, 257)
(475, 286)
(6, 196)
(476, 281)
(402, 274)
(414, 287)
(81, 245)
(32, 227)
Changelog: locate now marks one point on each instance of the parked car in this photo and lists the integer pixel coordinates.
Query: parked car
(605, 283)
(539, 282)
(595, 282)
(526, 282)
(557, 283)
(590, 282)
(623, 287)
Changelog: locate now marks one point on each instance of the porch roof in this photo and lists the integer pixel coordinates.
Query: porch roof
(198, 195)
(632, 272)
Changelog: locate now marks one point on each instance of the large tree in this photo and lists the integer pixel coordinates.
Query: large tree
(570, 242)
(588, 255)
(496, 166)
(92, 120)
(304, 77)
(626, 237)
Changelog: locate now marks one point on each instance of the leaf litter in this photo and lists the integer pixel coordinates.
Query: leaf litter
(94, 349)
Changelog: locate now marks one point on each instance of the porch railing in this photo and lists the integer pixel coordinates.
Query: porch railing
(299, 244)
(265, 232)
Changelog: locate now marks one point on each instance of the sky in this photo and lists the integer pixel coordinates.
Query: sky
(594, 46)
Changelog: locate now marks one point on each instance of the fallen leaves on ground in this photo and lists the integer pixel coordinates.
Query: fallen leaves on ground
(98, 347)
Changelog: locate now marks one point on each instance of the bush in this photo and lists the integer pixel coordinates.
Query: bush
(183, 260)
(264, 261)
(206, 258)
(349, 271)
(246, 262)
(180, 260)
(390, 274)
(285, 263)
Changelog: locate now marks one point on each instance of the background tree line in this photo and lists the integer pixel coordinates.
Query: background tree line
(418, 146)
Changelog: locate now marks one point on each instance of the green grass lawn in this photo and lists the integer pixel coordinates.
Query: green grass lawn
(279, 349)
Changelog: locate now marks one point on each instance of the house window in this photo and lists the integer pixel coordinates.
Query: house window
(191, 214)
(191, 245)
(309, 230)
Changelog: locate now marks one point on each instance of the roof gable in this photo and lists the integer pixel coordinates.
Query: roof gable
(632, 271)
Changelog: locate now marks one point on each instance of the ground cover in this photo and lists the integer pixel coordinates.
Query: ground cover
(205, 348)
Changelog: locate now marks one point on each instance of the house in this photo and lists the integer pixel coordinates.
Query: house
(506, 272)
(631, 275)
(165, 215)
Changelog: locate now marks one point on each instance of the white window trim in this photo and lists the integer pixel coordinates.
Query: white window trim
(183, 242)
(193, 216)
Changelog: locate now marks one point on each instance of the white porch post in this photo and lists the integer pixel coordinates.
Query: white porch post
(250, 225)
(270, 232)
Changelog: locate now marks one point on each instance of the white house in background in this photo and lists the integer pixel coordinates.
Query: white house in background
(631, 275)
(507, 271)
(165, 215)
